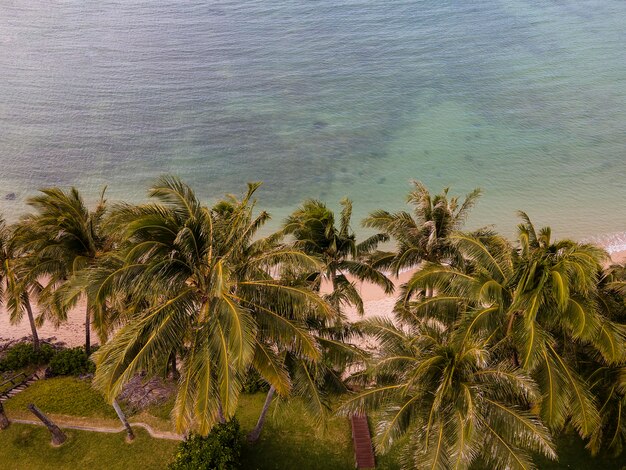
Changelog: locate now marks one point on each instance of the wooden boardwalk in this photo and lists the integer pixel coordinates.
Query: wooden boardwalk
(15, 385)
(363, 451)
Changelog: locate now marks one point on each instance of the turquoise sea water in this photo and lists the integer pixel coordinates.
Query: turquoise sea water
(526, 99)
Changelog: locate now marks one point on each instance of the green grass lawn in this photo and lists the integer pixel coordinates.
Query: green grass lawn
(24, 447)
(289, 441)
(62, 396)
(572, 454)
(74, 400)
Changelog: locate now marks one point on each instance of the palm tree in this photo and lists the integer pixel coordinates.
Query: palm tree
(608, 382)
(451, 398)
(313, 382)
(15, 288)
(422, 235)
(199, 283)
(64, 237)
(315, 232)
(535, 304)
(614, 279)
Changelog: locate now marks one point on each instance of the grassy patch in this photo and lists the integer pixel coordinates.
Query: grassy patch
(572, 454)
(62, 396)
(391, 460)
(157, 416)
(162, 411)
(27, 447)
(289, 440)
(74, 401)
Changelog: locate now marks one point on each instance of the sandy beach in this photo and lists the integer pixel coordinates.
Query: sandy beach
(376, 303)
(72, 332)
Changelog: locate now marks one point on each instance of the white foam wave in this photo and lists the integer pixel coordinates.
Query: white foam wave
(611, 242)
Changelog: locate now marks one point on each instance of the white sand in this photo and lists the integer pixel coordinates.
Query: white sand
(72, 332)
(376, 303)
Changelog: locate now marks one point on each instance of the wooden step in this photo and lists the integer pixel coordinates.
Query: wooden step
(362, 442)
(18, 387)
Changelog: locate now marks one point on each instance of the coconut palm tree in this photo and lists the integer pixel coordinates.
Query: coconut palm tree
(15, 288)
(201, 284)
(608, 382)
(613, 283)
(422, 235)
(535, 304)
(63, 237)
(313, 382)
(314, 230)
(451, 400)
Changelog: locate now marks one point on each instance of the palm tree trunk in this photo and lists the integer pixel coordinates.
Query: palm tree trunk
(4, 421)
(333, 282)
(87, 330)
(256, 432)
(175, 374)
(220, 413)
(130, 435)
(58, 437)
(31, 319)
(509, 326)
(509, 330)
(333, 279)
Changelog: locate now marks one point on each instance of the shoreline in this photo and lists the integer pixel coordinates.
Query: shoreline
(72, 332)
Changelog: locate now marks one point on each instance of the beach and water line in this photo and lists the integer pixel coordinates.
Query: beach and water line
(524, 99)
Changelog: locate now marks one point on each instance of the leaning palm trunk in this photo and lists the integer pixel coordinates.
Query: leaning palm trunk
(87, 330)
(333, 280)
(174, 368)
(130, 435)
(58, 437)
(4, 421)
(256, 432)
(31, 319)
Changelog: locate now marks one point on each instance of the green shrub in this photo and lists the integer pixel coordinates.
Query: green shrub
(72, 361)
(220, 450)
(23, 354)
(254, 383)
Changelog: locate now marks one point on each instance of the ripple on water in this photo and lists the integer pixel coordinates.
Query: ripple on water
(318, 99)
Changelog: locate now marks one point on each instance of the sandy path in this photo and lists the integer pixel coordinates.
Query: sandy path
(109, 430)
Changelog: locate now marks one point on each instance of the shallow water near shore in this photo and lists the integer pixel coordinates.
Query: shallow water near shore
(525, 99)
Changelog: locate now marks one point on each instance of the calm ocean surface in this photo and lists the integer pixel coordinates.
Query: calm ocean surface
(525, 99)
